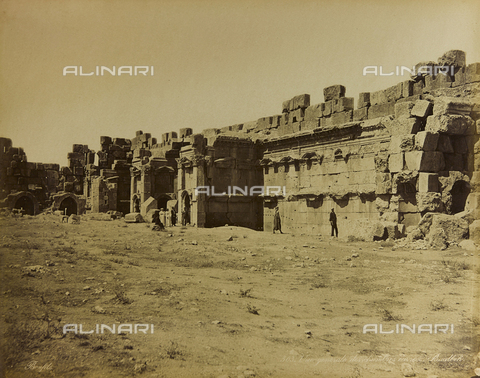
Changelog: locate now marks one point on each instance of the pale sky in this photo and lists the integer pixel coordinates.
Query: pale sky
(216, 63)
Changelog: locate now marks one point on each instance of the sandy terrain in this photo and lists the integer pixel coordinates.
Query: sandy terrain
(229, 302)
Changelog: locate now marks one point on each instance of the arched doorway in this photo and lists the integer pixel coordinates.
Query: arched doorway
(459, 192)
(68, 206)
(162, 201)
(136, 204)
(26, 204)
(186, 211)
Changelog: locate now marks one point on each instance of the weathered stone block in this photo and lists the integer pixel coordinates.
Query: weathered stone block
(451, 105)
(301, 101)
(363, 100)
(378, 97)
(426, 141)
(425, 161)
(394, 93)
(333, 92)
(439, 82)
(381, 162)
(340, 118)
(450, 124)
(437, 239)
(403, 109)
(286, 106)
(403, 126)
(454, 58)
(360, 114)
(407, 88)
(427, 182)
(381, 110)
(396, 162)
(106, 140)
(422, 108)
(456, 229)
(444, 144)
(402, 143)
(429, 201)
(133, 218)
(460, 145)
(313, 112)
(472, 73)
(328, 108)
(455, 162)
(310, 125)
(296, 116)
(418, 87)
(474, 231)
(383, 183)
(343, 104)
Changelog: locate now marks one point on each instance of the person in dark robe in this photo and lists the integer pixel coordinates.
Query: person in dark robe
(157, 223)
(277, 223)
(333, 223)
(173, 217)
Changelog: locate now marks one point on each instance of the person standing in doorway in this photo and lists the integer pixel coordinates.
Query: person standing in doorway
(277, 223)
(173, 217)
(333, 223)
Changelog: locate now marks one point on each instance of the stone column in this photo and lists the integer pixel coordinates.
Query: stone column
(199, 214)
(146, 189)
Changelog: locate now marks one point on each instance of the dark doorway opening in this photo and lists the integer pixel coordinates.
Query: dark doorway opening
(68, 206)
(459, 192)
(26, 204)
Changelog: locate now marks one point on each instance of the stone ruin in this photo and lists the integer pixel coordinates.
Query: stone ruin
(385, 166)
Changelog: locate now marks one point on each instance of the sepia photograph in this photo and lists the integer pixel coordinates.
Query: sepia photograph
(239, 189)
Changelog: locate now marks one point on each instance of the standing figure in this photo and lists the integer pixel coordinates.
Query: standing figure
(277, 223)
(173, 217)
(184, 217)
(333, 222)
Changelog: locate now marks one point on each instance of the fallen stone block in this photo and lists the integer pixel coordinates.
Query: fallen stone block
(422, 108)
(437, 239)
(427, 182)
(450, 124)
(474, 231)
(431, 202)
(333, 92)
(74, 219)
(133, 218)
(468, 245)
(363, 100)
(426, 140)
(402, 143)
(455, 229)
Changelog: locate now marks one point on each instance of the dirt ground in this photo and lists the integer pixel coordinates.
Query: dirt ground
(229, 302)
